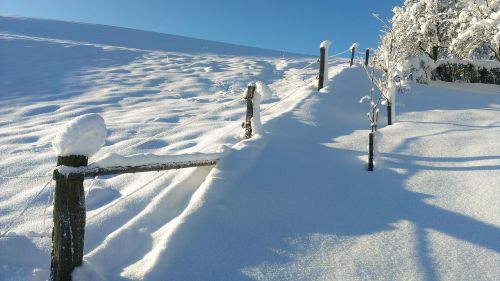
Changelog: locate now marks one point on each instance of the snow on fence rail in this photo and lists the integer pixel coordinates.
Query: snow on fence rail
(135, 164)
(84, 136)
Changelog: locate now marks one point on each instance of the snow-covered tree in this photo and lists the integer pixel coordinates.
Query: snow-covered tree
(426, 26)
(478, 31)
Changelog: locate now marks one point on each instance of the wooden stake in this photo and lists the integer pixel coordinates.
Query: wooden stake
(248, 120)
(389, 113)
(353, 50)
(370, 151)
(69, 222)
(322, 57)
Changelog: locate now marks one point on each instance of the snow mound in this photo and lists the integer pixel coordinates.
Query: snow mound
(84, 135)
(265, 92)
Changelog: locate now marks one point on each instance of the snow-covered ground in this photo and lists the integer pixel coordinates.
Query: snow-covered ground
(293, 203)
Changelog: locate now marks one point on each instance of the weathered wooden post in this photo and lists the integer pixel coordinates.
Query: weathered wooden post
(323, 64)
(353, 51)
(248, 120)
(389, 113)
(321, 77)
(69, 221)
(367, 56)
(371, 137)
(74, 143)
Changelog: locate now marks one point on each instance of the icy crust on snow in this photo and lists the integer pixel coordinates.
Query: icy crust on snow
(84, 135)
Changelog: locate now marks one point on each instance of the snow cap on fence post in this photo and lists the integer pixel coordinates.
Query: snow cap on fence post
(353, 48)
(84, 135)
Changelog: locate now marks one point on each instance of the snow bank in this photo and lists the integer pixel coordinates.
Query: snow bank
(84, 135)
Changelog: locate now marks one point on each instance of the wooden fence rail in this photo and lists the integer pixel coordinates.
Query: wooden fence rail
(92, 172)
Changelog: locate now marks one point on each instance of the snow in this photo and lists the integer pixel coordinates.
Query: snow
(264, 91)
(325, 44)
(294, 202)
(256, 121)
(84, 135)
(145, 159)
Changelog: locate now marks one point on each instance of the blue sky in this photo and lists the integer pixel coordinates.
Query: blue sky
(294, 25)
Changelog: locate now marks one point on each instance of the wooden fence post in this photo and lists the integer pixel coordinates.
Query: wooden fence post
(367, 56)
(389, 113)
(322, 58)
(248, 120)
(69, 221)
(370, 150)
(353, 50)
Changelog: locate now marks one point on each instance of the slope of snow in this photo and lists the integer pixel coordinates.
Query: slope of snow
(293, 203)
(298, 204)
(119, 36)
(161, 102)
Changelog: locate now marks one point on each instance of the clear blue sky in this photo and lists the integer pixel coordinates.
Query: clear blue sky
(293, 25)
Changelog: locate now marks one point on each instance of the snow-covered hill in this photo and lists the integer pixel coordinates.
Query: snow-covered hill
(293, 203)
(126, 37)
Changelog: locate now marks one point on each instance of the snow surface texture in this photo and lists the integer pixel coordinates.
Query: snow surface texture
(293, 203)
(155, 98)
(84, 135)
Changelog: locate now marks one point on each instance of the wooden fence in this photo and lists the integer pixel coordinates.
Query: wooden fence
(69, 213)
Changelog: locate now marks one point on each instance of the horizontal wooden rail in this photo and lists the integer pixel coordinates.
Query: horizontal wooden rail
(72, 173)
